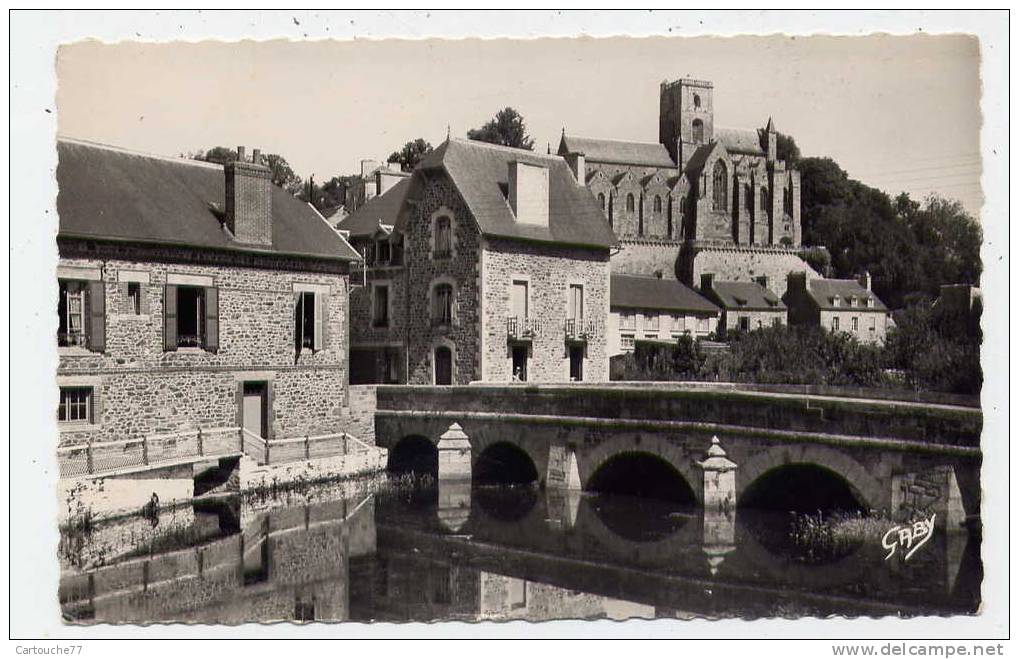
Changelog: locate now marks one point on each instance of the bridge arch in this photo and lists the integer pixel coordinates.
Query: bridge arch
(504, 462)
(655, 446)
(798, 460)
(414, 453)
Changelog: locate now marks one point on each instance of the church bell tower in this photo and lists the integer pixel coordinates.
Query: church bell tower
(686, 117)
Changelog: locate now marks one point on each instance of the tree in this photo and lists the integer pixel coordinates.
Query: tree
(785, 146)
(282, 174)
(411, 154)
(507, 129)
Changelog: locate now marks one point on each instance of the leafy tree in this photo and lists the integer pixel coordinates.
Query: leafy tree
(785, 146)
(936, 349)
(411, 154)
(507, 129)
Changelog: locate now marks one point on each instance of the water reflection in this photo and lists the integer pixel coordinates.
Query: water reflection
(452, 552)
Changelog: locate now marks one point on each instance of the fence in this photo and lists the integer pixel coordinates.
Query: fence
(275, 451)
(172, 448)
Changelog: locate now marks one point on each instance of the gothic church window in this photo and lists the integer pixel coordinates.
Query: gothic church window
(629, 203)
(658, 204)
(720, 191)
(748, 198)
(601, 200)
(696, 100)
(698, 131)
(764, 199)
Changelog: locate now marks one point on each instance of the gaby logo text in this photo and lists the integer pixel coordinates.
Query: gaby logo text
(910, 538)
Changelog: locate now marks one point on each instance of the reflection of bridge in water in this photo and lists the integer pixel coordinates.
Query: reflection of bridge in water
(530, 554)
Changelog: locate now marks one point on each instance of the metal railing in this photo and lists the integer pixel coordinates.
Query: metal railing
(275, 451)
(72, 339)
(580, 329)
(149, 450)
(523, 328)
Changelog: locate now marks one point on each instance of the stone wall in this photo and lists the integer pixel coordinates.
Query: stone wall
(744, 264)
(361, 420)
(647, 257)
(424, 271)
(756, 318)
(549, 271)
(140, 388)
(865, 320)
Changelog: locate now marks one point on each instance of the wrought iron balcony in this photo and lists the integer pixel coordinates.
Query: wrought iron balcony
(522, 329)
(580, 329)
(72, 339)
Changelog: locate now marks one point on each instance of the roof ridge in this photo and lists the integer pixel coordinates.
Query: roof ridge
(615, 139)
(135, 152)
(512, 149)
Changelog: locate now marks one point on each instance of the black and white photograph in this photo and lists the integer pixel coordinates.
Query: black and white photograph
(388, 332)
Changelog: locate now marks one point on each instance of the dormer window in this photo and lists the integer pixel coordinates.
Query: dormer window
(383, 252)
(870, 302)
(836, 301)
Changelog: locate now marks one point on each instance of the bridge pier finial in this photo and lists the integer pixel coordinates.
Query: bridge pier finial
(719, 505)
(454, 454)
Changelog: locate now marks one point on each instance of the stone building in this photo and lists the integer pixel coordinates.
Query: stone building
(193, 295)
(840, 305)
(504, 272)
(375, 179)
(702, 199)
(649, 308)
(746, 305)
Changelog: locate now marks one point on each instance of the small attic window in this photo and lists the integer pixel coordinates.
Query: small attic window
(742, 301)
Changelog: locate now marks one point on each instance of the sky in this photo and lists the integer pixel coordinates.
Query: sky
(901, 113)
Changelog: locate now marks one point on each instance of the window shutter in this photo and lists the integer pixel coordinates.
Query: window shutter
(143, 292)
(125, 302)
(298, 321)
(320, 299)
(270, 394)
(97, 406)
(212, 319)
(97, 316)
(169, 317)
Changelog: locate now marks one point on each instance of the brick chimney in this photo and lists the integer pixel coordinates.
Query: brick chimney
(578, 165)
(796, 281)
(707, 281)
(249, 199)
(764, 281)
(864, 280)
(528, 193)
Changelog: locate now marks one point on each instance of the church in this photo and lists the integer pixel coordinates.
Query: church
(703, 200)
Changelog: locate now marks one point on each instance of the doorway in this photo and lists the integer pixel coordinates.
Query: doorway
(255, 408)
(443, 366)
(576, 363)
(520, 363)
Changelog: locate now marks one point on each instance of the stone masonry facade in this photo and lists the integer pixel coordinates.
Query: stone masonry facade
(549, 271)
(139, 388)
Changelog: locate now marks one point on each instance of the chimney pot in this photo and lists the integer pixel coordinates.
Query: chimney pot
(256, 156)
(240, 153)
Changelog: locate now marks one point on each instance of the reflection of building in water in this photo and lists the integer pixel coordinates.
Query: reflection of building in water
(288, 564)
(397, 586)
(512, 598)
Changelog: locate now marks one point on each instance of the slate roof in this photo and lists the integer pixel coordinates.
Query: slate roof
(823, 292)
(109, 193)
(385, 208)
(696, 162)
(480, 172)
(746, 295)
(633, 292)
(739, 140)
(620, 152)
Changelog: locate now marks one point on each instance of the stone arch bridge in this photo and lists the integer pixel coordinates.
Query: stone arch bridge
(894, 455)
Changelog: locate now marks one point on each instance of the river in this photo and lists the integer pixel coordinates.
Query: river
(381, 550)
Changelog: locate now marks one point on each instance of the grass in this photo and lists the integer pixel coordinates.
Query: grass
(823, 537)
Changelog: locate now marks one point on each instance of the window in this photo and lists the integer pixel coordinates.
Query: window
(764, 200)
(720, 187)
(760, 323)
(576, 302)
(748, 198)
(696, 100)
(628, 321)
(601, 200)
(856, 324)
(626, 342)
(518, 299)
(380, 305)
(678, 325)
(309, 316)
(190, 317)
(71, 331)
(658, 204)
(651, 324)
(75, 405)
(698, 131)
(836, 301)
(442, 305)
(383, 252)
(134, 298)
(629, 203)
(776, 321)
(744, 324)
(835, 323)
(443, 237)
(873, 324)
(682, 205)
